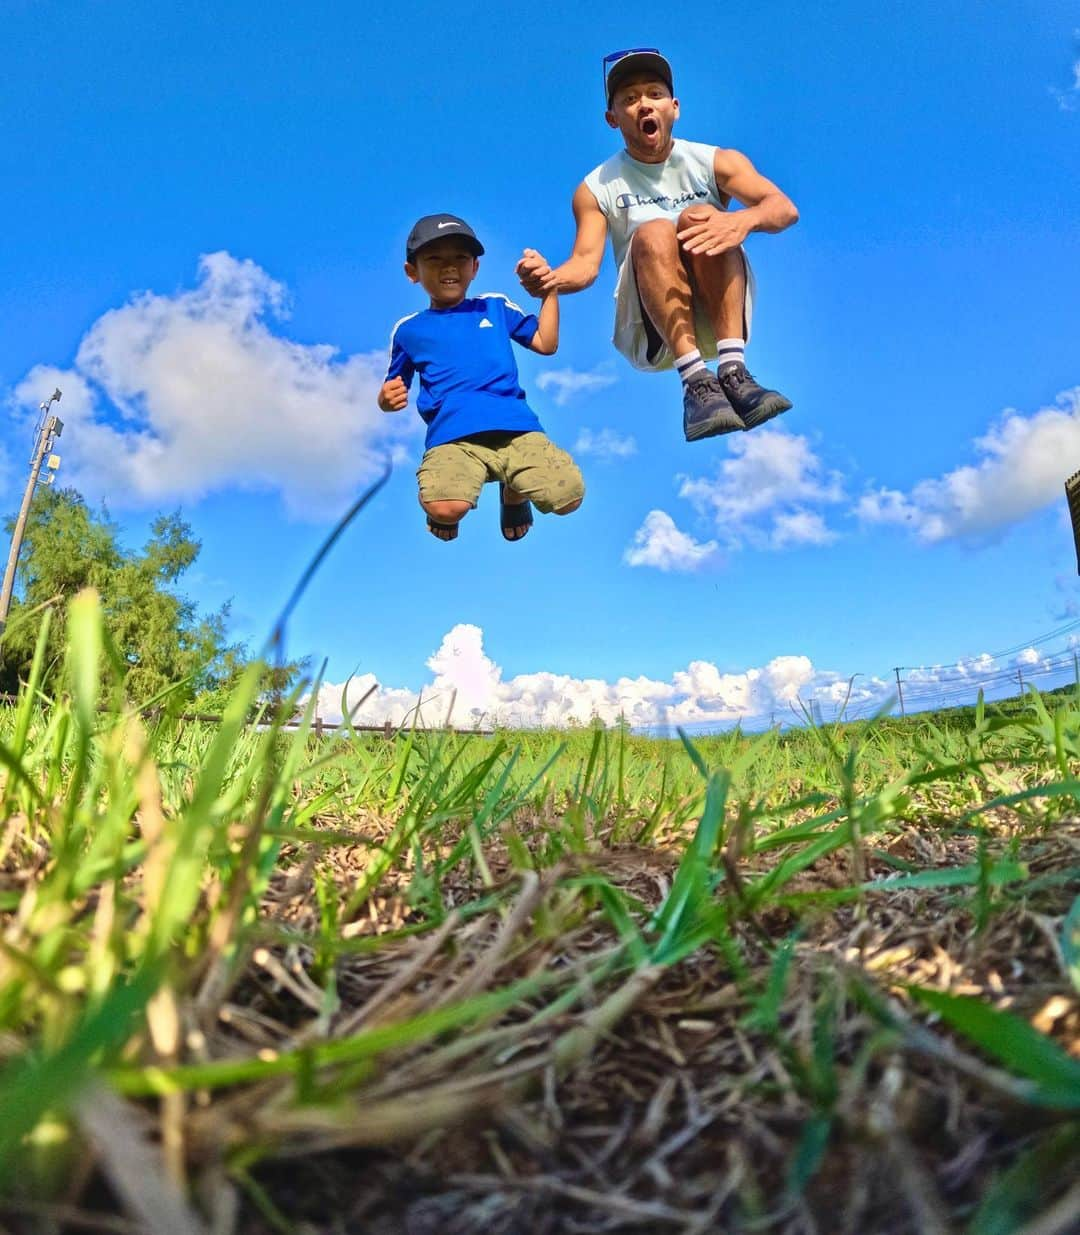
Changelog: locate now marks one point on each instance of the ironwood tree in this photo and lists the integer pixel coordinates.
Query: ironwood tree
(161, 638)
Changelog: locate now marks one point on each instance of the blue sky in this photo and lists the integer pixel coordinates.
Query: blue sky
(204, 214)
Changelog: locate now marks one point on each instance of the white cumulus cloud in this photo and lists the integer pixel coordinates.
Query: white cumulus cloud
(605, 444)
(173, 396)
(567, 384)
(1069, 98)
(800, 527)
(468, 688)
(1022, 463)
(659, 543)
(767, 492)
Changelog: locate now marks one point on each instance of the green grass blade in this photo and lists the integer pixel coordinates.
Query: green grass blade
(1018, 1045)
(369, 1044)
(695, 755)
(765, 1013)
(1070, 943)
(809, 1153)
(1019, 1194)
(28, 697)
(689, 894)
(998, 874)
(35, 1084)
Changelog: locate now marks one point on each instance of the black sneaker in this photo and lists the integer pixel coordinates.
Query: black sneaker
(706, 410)
(752, 403)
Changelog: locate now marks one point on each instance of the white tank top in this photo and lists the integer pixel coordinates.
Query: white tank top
(630, 193)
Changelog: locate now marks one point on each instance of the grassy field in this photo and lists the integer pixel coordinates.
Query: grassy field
(826, 981)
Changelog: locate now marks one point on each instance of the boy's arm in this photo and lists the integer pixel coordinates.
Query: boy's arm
(583, 265)
(546, 339)
(394, 392)
(393, 395)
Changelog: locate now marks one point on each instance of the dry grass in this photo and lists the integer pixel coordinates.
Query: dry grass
(684, 1117)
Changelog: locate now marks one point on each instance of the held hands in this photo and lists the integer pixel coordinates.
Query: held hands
(393, 395)
(710, 232)
(536, 276)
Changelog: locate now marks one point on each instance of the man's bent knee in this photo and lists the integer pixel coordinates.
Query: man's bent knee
(694, 214)
(653, 238)
(447, 511)
(569, 508)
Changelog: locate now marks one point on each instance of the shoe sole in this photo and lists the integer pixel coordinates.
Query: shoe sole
(766, 410)
(714, 428)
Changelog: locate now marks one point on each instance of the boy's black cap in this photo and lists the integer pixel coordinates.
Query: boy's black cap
(432, 226)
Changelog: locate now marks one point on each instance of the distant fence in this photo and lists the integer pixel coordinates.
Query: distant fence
(318, 726)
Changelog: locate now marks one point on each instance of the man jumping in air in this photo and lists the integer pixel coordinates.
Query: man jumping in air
(685, 289)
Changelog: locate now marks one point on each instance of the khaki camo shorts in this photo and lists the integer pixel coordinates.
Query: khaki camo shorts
(531, 463)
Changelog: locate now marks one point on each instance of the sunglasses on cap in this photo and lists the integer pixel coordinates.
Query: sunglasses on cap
(613, 58)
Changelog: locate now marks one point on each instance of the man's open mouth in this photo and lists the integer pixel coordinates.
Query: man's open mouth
(650, 126)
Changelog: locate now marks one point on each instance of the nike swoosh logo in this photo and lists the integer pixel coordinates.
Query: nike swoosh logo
(451, 224)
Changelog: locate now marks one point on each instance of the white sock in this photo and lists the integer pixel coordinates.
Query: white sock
(690, 364)
(730, 351)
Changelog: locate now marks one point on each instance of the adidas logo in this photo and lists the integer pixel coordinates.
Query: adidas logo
(484, 322)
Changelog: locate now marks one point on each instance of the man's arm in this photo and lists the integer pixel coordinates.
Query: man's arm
(770, 209)
(583, 265)
(766, 208)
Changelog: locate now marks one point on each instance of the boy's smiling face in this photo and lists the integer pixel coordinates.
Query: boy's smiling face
(444, 269)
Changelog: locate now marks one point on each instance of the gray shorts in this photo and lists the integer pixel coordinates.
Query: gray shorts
(639, 340)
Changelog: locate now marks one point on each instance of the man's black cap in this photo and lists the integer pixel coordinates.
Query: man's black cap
(630, 64)
(433, 226)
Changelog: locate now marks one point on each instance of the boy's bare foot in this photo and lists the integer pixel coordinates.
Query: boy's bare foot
(442, 531)
(515, 513)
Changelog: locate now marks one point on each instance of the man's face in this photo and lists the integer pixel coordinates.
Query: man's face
(644, 112)
(444, 269)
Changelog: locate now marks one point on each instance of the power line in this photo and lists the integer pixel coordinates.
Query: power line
(1020, 647)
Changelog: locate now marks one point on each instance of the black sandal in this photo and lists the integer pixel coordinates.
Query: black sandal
(513, 515)
(435, 528)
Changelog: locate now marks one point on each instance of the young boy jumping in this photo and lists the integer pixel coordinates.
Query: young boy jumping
(479, 426)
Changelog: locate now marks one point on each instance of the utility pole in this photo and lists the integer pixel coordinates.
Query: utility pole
(48, 430)
(900, 692)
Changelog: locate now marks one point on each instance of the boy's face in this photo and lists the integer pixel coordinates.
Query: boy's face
(644, 112)
(444, 269)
